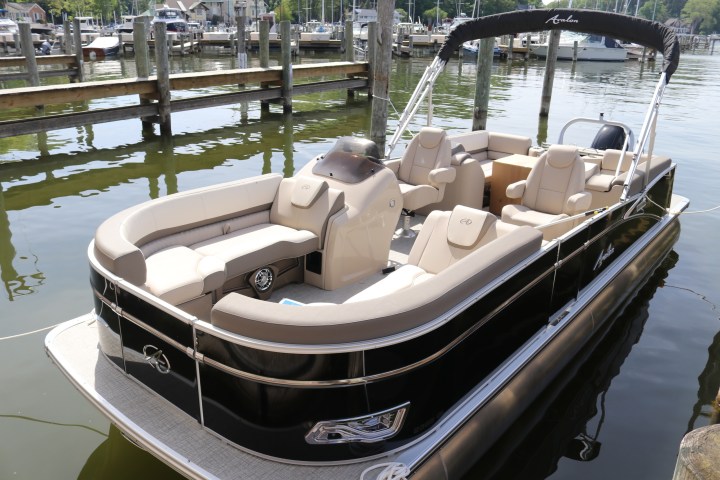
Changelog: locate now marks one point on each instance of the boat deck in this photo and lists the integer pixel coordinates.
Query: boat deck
(154, 424)
(304, 293)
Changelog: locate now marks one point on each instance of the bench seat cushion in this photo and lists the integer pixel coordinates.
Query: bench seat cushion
(250, 248)
(402, 278)
(177, 274)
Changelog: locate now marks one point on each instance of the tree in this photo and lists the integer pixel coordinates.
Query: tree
(285, 10)
(706, 13)
(431, 15)
(660, 11)
(490, 7)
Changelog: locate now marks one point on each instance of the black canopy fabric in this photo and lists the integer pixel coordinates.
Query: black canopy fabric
(622, 27)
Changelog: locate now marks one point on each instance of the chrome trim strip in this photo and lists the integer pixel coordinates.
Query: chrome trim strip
(374, 343)
(479, 396)
(368, 378)
(131, 318)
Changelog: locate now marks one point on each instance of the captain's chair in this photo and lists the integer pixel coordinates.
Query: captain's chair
(423, 172)
(553, 190)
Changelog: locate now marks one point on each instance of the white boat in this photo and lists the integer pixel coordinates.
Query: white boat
(173, 18)
(274, 327)
(102, 47)
(591, 47)
(315, 32)
(471, 48)
(8, 30)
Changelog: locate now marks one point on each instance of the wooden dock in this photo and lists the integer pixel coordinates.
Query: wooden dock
(353, 76)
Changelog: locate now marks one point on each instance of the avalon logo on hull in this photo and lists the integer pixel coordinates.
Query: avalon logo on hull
(156, 358)
(556, 20)
(604, 255)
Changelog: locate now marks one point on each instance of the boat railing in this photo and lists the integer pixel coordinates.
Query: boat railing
(647, 132)
(422, 90)
(598, 121)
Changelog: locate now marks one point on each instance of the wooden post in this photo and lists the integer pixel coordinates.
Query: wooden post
(482, 83)
(67, 38)
(163, 78)
(698, 457)
(372, 42)
(264, 45)
(381, 85)
(349, 45)
(528, 42)
(241, 50)
(264, 50)
(511, 42)
(287, 74)
(16, 42)
(575, 50)
(29, 53)
(77, 41)
(553, 42)
(142, 62)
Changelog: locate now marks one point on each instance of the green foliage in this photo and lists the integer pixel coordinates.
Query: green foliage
(403, 14)
(707, 12)
(661, 12)
(285, 10)
(432, 14)
(490, 7)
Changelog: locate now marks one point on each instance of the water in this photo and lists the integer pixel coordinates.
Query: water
(651, 381)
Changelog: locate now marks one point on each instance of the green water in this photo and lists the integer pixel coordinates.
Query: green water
(643, 389)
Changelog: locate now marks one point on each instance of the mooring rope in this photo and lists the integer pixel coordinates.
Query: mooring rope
(29, 333)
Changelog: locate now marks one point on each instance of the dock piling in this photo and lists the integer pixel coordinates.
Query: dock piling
(349, 45)
(67, 38)
(482, 83)
(163, 78)
(77, 41)
(28, 50)
(264, 51)
(287, 74)
(553, 42)
(381, 82)
(370, 55)
(142, 63)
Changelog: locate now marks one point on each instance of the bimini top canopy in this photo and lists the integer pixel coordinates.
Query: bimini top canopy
(632, 29)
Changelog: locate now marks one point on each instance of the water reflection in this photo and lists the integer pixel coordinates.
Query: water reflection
(159, 161)
(567, 419)
(116, 458)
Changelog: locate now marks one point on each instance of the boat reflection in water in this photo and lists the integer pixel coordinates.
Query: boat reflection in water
(566, 419)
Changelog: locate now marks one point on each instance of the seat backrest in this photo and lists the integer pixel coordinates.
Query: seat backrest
(611, 159)
(447, 237)
(306, 203)
(430, 149)
(558, 174)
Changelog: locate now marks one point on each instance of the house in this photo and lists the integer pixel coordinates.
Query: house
(198, 12)
(367, 15)
(225, 11)
(26, 12)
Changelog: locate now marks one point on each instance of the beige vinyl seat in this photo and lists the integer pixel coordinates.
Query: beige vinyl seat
(423, 171)
(445, 238)
(553, 190)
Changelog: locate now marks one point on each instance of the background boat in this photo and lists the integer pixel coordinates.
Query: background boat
(594, 48)
(102, 47)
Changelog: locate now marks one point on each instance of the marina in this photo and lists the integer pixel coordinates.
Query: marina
(169, 169)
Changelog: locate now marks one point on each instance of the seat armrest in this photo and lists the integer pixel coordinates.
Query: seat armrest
(393, 165)
(516, 190)
(440, 176)
(579, 202)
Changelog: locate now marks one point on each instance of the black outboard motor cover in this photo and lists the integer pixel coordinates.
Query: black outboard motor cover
(350, 160)
(609, 136)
